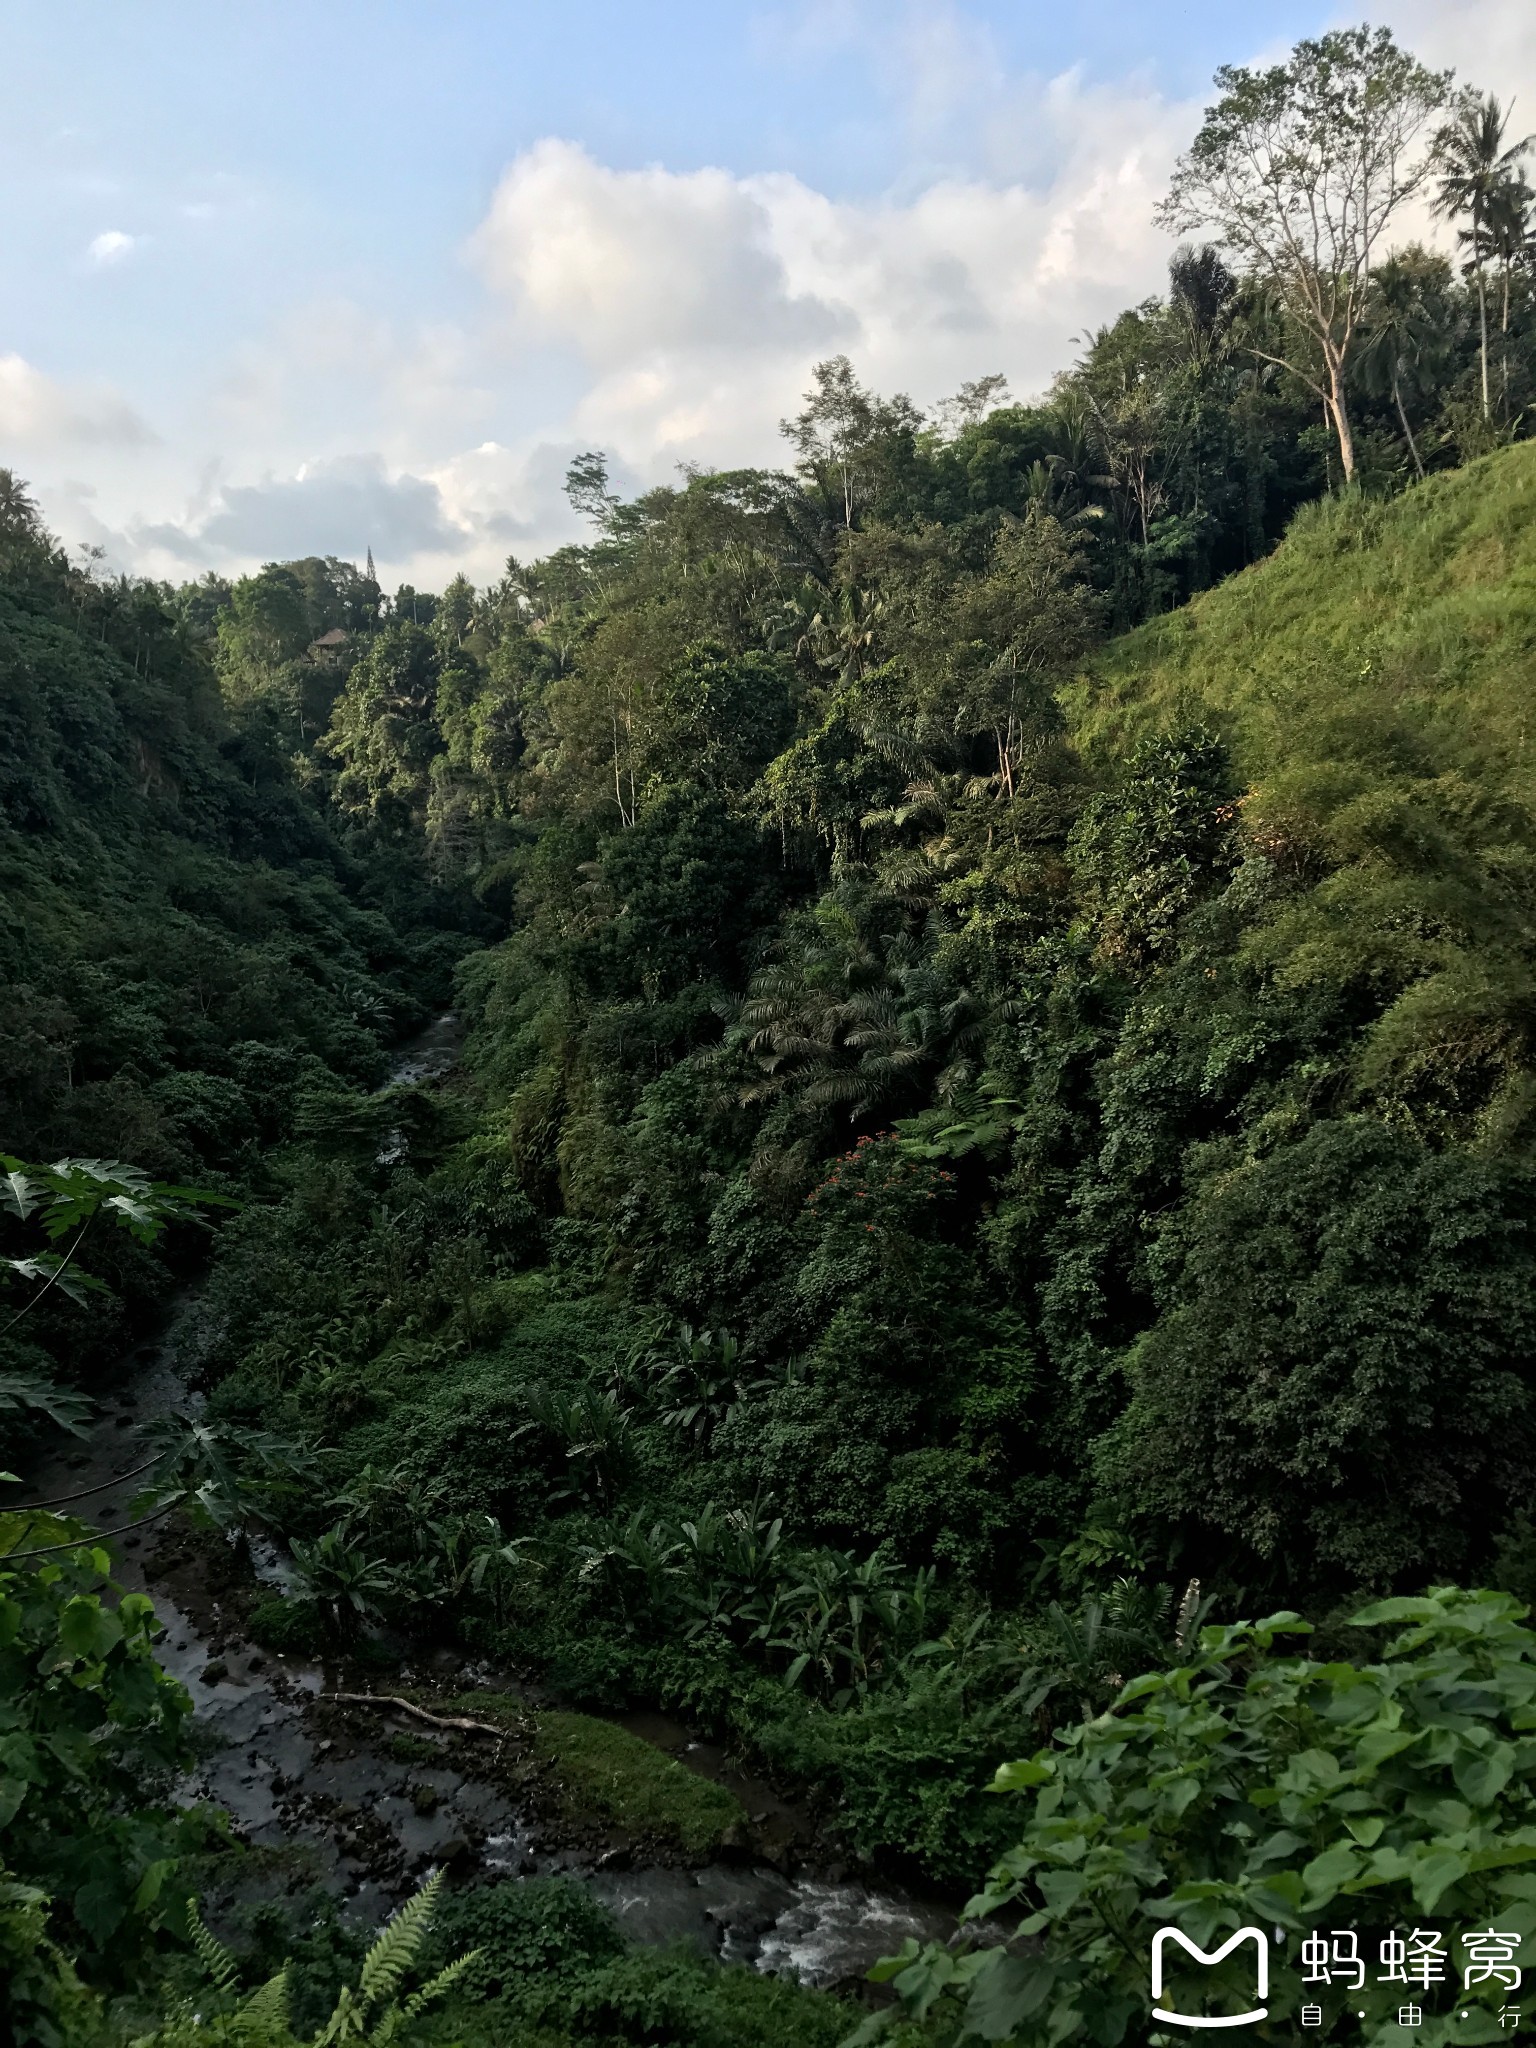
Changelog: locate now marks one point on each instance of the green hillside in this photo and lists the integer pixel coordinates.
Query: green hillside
(1399, 630)
(1373, 683)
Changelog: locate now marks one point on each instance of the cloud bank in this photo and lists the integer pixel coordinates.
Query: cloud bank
(40, 413)
(668, 316)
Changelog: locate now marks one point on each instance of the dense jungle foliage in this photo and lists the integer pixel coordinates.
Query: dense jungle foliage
(996, 1118)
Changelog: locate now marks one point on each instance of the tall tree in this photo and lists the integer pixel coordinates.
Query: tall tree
(1475, 169)
(1405, 320)
(845, 435)
(1299, 169)
(1509, 243)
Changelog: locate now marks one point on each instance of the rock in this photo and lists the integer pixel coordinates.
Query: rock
(214, 1673)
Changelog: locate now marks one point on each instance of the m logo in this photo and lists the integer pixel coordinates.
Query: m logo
(1160, 1941)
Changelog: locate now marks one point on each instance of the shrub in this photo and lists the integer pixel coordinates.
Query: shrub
(523, 1931)
(1254, 1786)
(293, 1628)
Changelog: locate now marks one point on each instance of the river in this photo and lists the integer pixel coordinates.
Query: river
(292, 1770)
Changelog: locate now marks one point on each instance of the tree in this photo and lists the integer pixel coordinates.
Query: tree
(1403, 324)
(844, 436)
(972, 402)
(1300, 169)
(1339, 1381)
(719, 718)
(1014, 629)
(1509, 241)
(1475, 171)
(586, 486)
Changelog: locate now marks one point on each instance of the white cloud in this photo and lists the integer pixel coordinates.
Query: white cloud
(343, 506)
(1491, 44)
(111, 247)
(699, 300)
(627, 262)
(39, 413)
(674, 315)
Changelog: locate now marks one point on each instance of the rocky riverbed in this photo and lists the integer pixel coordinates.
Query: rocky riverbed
(369, 1796)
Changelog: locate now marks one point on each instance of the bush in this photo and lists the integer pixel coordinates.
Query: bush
(90, 1728)
(293, 1628)
(523, 1931)
(1342, 1384)
(686, 2002)
(1256, 1787)
(908, 1770)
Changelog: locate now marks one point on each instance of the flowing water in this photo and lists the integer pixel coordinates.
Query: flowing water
(291, 1772)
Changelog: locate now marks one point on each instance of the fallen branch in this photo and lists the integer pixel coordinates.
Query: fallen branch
(389, 1699)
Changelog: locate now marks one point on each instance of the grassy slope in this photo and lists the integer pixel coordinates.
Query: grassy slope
(1404, 629)
(1375, 681)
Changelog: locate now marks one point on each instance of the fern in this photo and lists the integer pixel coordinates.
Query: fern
(214, 1957)
(371, 2015)
(401, 2015)
(263, 2018)
(395, 1950)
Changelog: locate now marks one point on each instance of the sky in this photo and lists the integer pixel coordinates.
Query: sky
(314, 278)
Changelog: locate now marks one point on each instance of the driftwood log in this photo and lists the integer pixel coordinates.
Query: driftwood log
(386, 1699)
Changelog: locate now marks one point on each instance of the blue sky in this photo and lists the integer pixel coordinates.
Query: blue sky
(284, 277)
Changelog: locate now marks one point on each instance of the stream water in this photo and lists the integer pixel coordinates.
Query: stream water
(292, 1771)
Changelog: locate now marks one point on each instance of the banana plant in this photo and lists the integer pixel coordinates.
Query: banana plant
(597, 1434)
(736, 1566)
(639, 1566)
(350, 1585)
(703, 1385)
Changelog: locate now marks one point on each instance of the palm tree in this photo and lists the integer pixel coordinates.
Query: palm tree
(848, 1019)
(1508, 238)
(1402, 329)
(1475, 164)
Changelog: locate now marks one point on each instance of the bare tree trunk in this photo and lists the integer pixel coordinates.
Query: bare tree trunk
(618, 786)
(1413, 448)
(1338, 405)
(1482, 324)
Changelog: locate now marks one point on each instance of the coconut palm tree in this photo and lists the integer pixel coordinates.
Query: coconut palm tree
(1508, 238)
(1402, 331)
(1474, 164)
